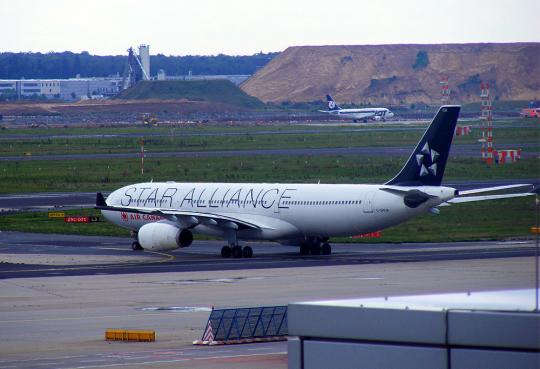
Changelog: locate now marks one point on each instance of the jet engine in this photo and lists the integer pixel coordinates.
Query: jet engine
(377, 118)
(163, 237)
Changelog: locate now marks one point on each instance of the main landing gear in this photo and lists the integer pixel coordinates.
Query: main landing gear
(315, 247)
(236, 251)
(233, 248)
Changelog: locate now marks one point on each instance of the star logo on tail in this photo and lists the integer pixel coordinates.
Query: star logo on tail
(427, 161)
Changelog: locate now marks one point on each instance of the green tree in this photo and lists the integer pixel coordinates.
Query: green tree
(422, 60)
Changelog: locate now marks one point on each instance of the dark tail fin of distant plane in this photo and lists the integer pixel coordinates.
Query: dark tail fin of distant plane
(100, 201)
(331, 103)
(426, 164)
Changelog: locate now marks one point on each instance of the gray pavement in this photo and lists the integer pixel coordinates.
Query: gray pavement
(53, 314)
(59, 322)
(462, 150)
(275, 129)
(39, 255)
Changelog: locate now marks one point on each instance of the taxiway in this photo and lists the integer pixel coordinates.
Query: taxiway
(60, 293)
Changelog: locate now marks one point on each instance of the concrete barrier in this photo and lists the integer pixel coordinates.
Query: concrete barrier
(130, 335)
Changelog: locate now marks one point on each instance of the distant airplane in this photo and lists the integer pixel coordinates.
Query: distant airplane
(164, 215)
(376, 114)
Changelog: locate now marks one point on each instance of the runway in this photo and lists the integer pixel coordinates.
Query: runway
(41, 255)
(275, 129)
(47, 200)
(461, 150)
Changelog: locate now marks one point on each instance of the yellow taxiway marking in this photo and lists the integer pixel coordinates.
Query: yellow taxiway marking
(119, 264)
(168, 256)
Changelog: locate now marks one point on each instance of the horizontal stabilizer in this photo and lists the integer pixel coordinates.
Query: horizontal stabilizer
(458, 200)
(411, 197)
(497, 190)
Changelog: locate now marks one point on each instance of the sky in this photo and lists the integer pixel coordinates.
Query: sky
(245, 27)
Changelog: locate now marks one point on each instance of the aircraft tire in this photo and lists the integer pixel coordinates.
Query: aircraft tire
(304, 249)
(226, 252)
(326, 249)
(315, 249)
(136, 246)
(247, 252)
(237, 252)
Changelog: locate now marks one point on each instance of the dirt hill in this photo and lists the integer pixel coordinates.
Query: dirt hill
(399, 74)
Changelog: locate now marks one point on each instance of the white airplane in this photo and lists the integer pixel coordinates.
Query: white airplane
(376, 114)
(164, 216)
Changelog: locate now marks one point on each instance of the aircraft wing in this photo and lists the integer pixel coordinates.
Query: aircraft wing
(187, 218)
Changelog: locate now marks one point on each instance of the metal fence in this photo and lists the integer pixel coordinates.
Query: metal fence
(246, 323)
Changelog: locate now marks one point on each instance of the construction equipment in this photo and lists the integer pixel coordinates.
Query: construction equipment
(149, 119)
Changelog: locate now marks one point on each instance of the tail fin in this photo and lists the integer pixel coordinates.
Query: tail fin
(426, 164)
(331, 103)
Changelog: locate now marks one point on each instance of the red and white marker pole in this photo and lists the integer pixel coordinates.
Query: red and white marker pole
(142, 156)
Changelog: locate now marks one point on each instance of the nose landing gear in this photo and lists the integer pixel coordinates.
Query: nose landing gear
(135, 245)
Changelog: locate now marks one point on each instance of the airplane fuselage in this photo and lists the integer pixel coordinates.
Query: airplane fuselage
(282, 211)
(363, 114)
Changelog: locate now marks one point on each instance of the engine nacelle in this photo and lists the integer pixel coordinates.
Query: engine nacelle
(163, 237)
(377, 118)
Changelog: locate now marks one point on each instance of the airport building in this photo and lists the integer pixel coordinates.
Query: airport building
(72, 89)
(64, 89)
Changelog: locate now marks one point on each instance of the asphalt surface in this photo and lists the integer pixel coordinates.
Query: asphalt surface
(333, 127)
(464, 150)
(47, 200)
(58, 323)
(205, 255)
(180, 133)
(271, 351)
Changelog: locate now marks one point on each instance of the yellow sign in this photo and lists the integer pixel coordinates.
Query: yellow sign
(56, 214)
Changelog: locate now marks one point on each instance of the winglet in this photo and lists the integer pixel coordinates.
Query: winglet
(100, 200)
